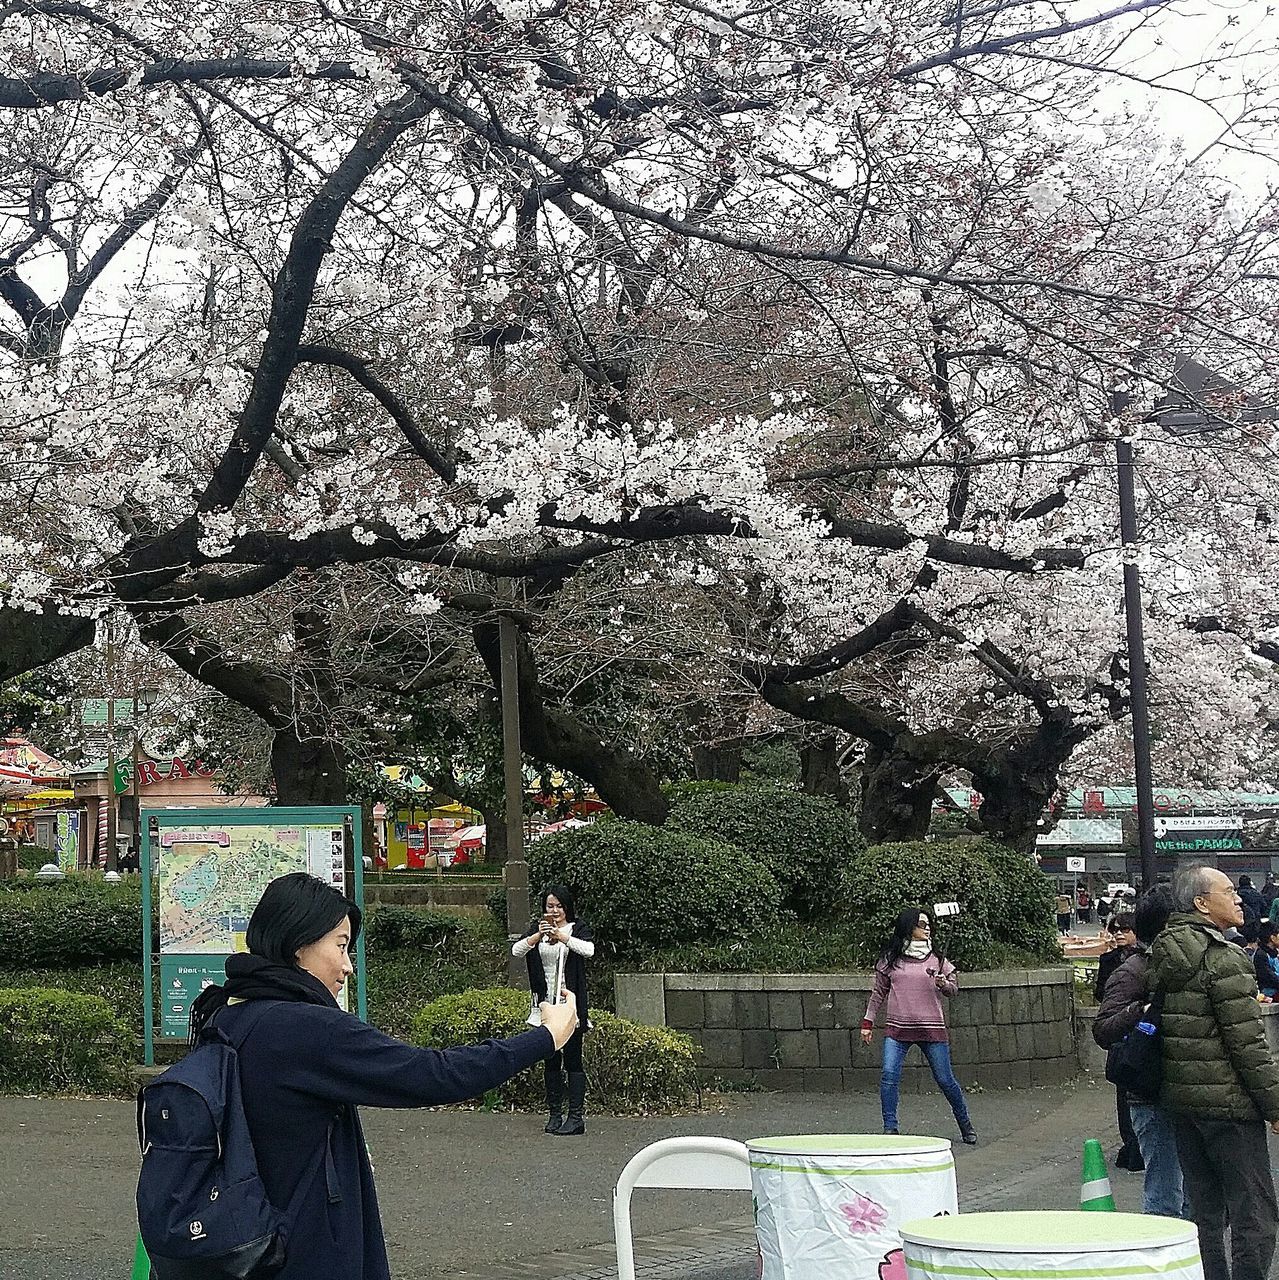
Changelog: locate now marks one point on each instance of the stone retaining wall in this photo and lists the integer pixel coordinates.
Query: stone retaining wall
(1008, 1028)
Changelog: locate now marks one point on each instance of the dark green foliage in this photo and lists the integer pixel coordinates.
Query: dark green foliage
(119, 984)
(807, 842)
(392, 928)
(641, 886)
(60, 1042)
(467, 952)
(631, 1067)
(1006, 900)
(77, 921)
(496, 904)
(31, 857)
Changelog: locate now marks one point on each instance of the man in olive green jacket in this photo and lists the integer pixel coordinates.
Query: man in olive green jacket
(1220, 1081)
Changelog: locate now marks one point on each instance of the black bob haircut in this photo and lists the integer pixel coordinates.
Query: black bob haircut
(564, 896)
(1151, 913)
(295, 911)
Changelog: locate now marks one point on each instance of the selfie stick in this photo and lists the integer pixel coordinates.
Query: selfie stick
(554, 996)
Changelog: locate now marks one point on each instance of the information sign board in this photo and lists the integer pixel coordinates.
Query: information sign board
(205, 870)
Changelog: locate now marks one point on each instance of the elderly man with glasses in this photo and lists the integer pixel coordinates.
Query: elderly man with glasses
(1220, 1081)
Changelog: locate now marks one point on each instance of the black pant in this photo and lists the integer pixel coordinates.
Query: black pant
(1226, 1168)
(570, 1055)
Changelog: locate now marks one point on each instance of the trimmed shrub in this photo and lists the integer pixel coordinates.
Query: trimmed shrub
(59, 1042)
(642, 887)
(1005, 900)
(77, 921)
(31, 857)
(807, 842)
(119, 984)
(391, 928)
(631, 1067)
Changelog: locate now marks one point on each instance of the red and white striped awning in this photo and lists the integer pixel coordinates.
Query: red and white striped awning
(16, 781)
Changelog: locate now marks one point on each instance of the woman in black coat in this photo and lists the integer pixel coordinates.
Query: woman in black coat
(561, 944)
(305, 1065)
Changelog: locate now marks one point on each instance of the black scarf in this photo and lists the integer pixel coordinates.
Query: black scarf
(257, 978)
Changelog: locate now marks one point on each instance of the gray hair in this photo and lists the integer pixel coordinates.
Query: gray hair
(1192, 883)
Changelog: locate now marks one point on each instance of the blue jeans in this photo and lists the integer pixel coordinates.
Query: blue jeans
(1162, 1192)
(938, 1055)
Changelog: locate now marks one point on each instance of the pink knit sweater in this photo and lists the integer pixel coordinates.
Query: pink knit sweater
(914, 998)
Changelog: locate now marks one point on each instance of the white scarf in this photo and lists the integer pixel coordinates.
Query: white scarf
(918, 949)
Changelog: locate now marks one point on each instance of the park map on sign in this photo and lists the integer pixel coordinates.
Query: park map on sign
(210, 878)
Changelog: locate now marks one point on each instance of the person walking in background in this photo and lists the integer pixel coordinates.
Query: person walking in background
(910, 979)
(1220, 1081)
(1269, 892)
(1123, 945)
(1064, 907)
(562, 943)
(1254, 905)
(305, 1065)
(1124, 1004)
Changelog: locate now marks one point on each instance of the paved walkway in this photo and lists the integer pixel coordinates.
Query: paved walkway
(467, 1195)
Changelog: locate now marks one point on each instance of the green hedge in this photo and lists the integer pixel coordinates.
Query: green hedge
(642, 886)
(60, 1042)
(631, 1067)
(1006, 901)
(31, 857)
(807, 842)
(78, 921)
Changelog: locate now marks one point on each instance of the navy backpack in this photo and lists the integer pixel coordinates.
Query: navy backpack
(202, 1209)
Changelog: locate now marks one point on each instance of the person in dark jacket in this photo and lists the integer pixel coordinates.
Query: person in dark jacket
(1254, 905)
(1269, 892)
(562, 943)
(306, 1064)
(1220, 1081)
(1126, 1000)
(1265, 959)
(1123, 945)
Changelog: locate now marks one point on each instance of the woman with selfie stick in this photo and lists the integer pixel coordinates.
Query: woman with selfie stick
(556, 954)
(911, 977)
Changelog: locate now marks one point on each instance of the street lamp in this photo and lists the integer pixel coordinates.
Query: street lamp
(1182, 411)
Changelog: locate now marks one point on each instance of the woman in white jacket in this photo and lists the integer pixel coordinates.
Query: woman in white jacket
(561, 945)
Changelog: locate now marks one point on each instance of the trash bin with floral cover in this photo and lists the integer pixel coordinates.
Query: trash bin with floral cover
(831, 1205)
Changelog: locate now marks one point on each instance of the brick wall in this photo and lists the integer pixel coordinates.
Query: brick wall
(1008, 1029)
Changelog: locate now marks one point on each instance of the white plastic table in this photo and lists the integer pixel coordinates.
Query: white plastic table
(829, 1206)
(1051, 1245)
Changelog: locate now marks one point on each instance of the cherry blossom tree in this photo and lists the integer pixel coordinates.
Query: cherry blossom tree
(500, 291)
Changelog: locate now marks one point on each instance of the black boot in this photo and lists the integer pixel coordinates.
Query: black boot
(554, 1100)
(575, 1124)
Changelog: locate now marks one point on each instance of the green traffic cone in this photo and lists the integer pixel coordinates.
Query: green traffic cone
(141, 1263)
(1094, 1188)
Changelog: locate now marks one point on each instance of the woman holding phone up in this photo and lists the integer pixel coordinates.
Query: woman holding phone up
(556, 954)
(911, 978)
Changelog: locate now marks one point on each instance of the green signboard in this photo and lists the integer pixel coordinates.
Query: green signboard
(1198, 833)
(203, 872)
(182, 978)
(66, 841)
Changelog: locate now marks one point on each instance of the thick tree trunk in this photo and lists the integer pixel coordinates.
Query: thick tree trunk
(623, 781)
(308, 769)
(721, 762)
(896, 796)
(30, 640)
(1020, 781)
(495, 847)
(819, 768)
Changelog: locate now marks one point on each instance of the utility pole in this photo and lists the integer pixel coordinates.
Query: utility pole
(112, 862)
(516, 869)
(1138, 692)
